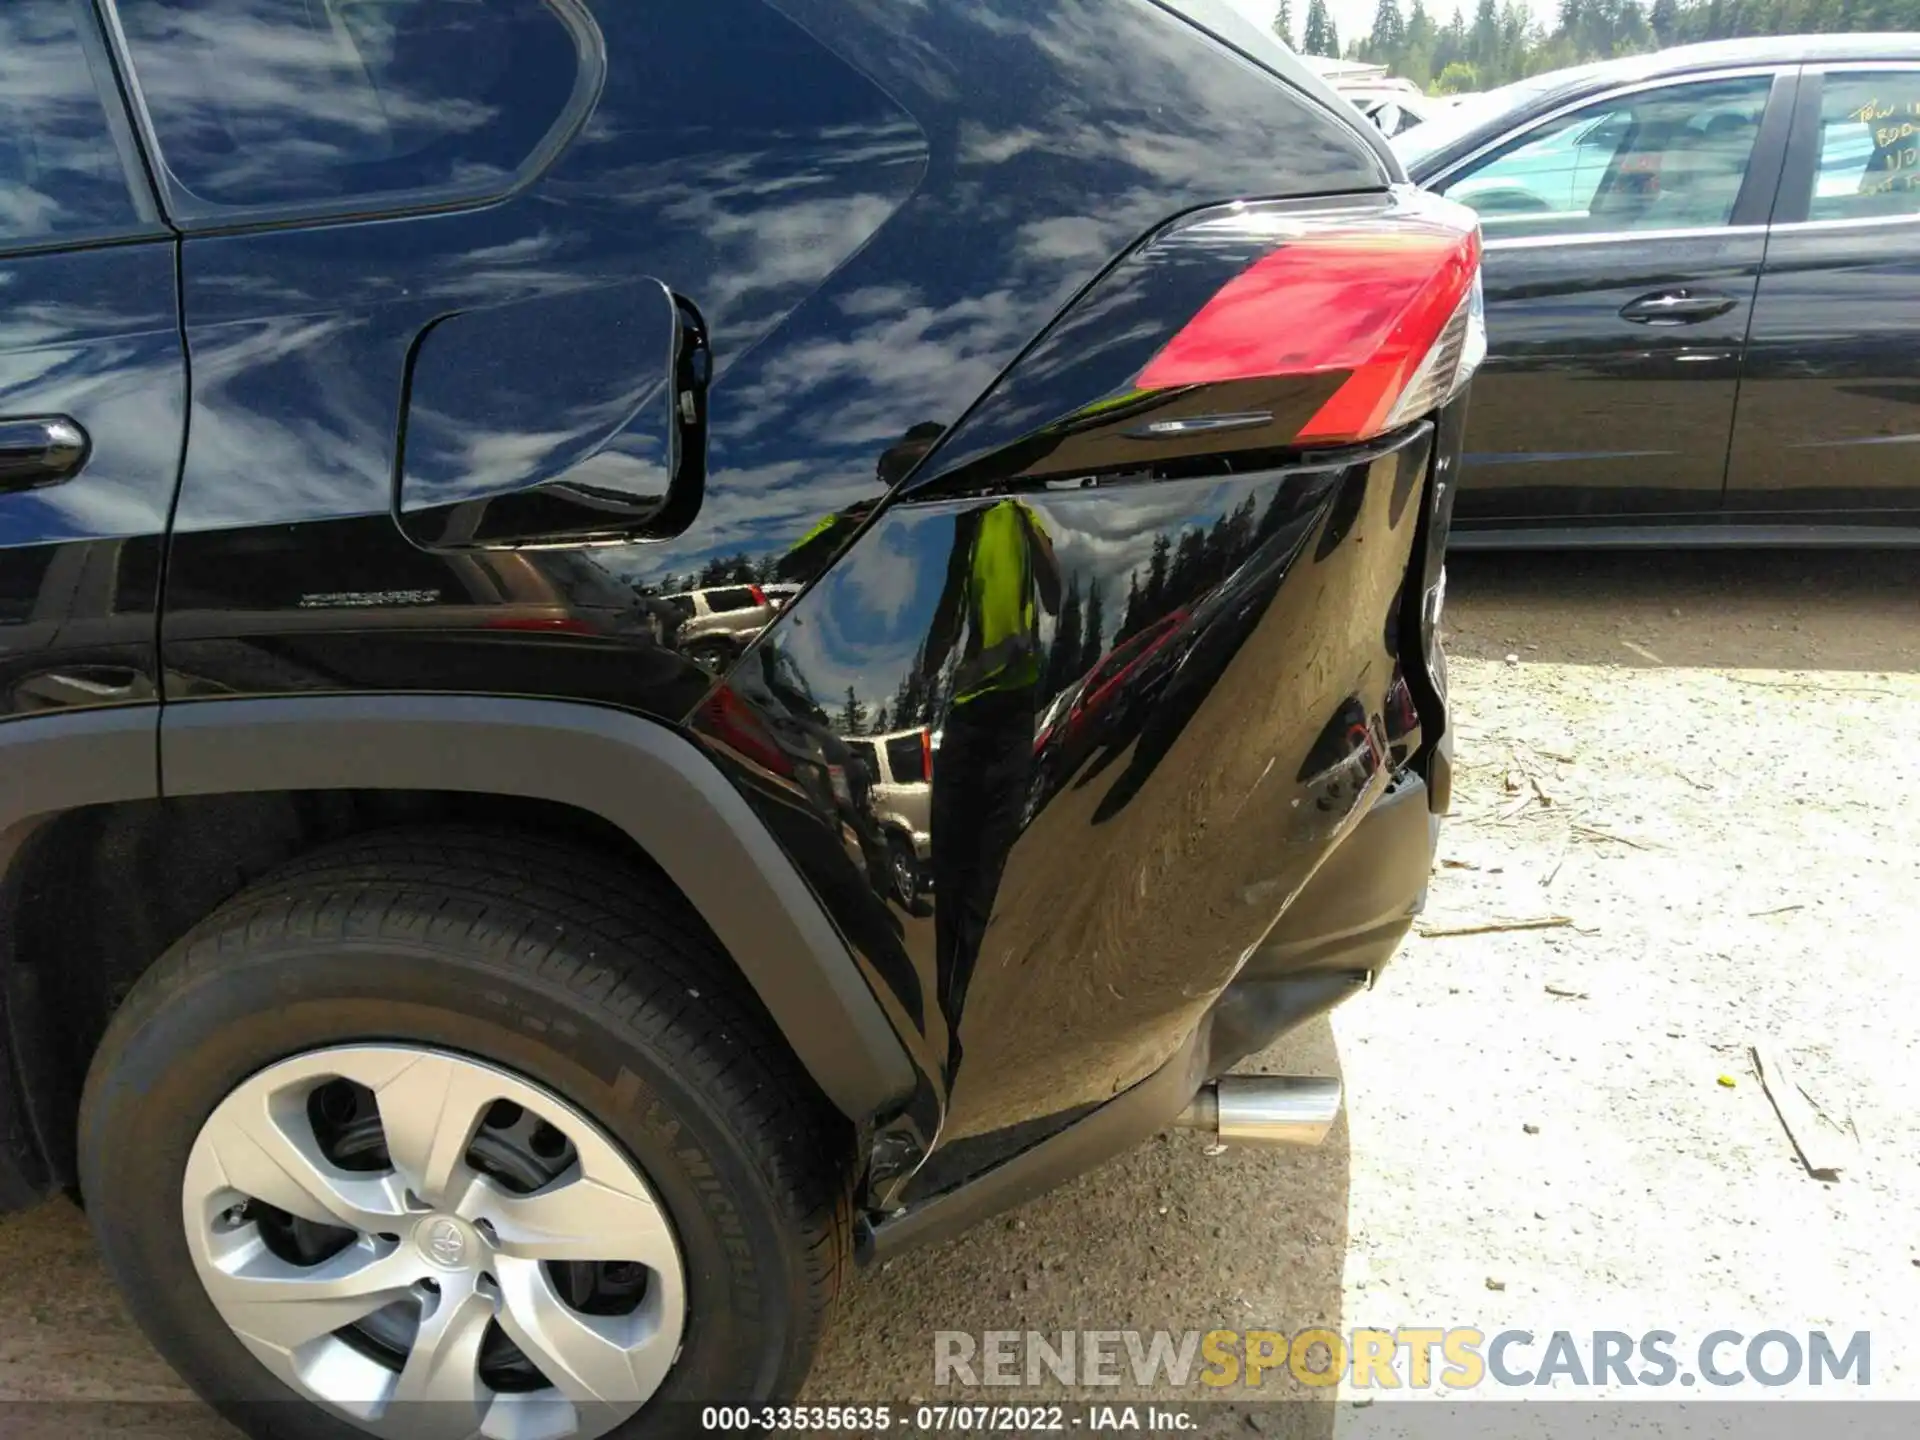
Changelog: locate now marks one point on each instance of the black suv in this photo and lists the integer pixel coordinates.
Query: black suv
(442, 987)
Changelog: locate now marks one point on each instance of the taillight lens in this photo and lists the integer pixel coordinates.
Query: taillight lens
(1387, 298)
(734, 724)
(557, 624)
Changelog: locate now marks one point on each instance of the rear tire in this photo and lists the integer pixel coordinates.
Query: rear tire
(592, 984)
(904, 870)
(711, 655)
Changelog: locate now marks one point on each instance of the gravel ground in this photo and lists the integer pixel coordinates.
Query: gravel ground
(1700, 770)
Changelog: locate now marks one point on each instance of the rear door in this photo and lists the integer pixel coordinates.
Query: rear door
(1829, 420)
(1625, 235)
(92, 380)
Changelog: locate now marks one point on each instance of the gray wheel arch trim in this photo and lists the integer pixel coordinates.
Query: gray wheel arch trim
(637, 774)
(65, 759)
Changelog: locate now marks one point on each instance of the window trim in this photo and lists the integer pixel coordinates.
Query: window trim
(146, 222)
(190, 214)
(1802, 166)
(1787, 71)
(1617, 237)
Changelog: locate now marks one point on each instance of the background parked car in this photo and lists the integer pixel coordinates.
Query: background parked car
(1394, 105)
(1703, 295)
(717, 622)
(1395, 111)
(901, 765)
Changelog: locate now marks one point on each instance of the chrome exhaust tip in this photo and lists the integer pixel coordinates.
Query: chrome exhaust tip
(1265, 1109)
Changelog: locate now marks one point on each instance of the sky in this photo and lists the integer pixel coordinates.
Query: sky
(1355, 17)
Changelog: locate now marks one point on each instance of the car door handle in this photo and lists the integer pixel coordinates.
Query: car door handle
(1677, 307)
(41, 450)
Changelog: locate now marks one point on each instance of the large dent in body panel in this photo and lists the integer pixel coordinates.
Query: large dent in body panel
(1117, 815)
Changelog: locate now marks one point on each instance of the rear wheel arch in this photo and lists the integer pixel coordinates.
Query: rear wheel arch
(651, 783)
(274, 767)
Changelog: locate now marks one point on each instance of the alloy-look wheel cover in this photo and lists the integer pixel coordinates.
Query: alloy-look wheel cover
(435, 1232)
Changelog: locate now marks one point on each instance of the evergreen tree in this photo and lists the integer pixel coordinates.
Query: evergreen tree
(1283, 23)
(908, 698)
(1500, 40)
(853, 715)
(1389, 34)
(1186, 577)
(1093, 642)
(1484, 44)
(1153, 595)
(1415, 61)
(1063, 660)
(1320, 38)
(1631, 32)
(1133, 617)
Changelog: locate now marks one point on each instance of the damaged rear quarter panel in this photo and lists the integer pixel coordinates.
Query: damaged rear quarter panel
(1117, 824)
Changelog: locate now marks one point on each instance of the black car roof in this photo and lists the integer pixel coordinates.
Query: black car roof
(1549, 92)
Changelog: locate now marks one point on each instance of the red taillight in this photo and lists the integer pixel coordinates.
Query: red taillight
(1382, 296)
(561, 624)
(926, 756)
(759, 595)
(732, 722)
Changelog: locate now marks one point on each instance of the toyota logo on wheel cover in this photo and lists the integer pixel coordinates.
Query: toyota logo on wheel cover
(445, 1243)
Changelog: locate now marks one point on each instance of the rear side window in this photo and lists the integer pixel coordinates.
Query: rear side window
(61, 174)
(329, 104)
(1869, 146)
(737, 598)
(906, 759)
(1669, 158)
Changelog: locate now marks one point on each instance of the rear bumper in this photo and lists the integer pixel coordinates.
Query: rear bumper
(1360, 903)
(1333, 940)
(1340, 932)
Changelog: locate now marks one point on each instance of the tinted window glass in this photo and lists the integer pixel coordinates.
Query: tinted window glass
(1463, 117)
(60, 172)
(1869, 146)
(864, 752)
(312, 102)
(735, 599)
(22, 572)
(682, 603)
(906, 759)
(1654, 160)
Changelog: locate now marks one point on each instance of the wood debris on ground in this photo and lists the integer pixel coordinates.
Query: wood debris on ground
(1823, 1145)
(1434, 930)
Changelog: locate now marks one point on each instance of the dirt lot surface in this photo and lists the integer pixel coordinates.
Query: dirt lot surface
(1698, 775)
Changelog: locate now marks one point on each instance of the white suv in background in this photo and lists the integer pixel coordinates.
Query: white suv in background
(718, 622)
(901, 764)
